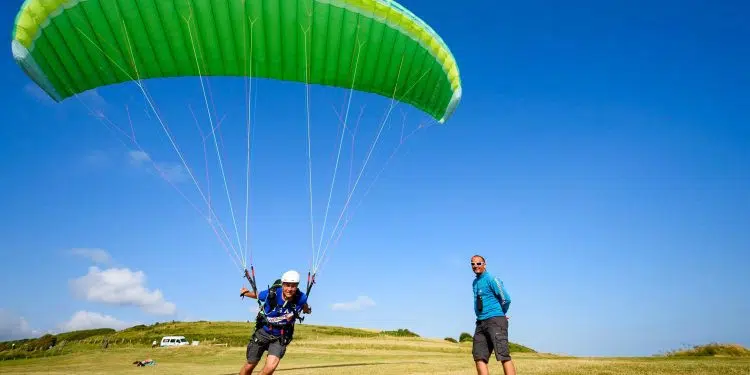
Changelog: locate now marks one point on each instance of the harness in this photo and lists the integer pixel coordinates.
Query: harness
(261, 320)
(287, 330)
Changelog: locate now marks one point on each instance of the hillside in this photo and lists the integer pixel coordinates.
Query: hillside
(712, 350)
(213, 333)
(325, 350)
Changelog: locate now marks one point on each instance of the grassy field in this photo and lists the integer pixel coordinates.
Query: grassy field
(328, 350)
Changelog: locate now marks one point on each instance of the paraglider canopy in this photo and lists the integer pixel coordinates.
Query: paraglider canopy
(70, 46)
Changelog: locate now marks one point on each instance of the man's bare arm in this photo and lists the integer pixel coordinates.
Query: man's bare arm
(247, 293)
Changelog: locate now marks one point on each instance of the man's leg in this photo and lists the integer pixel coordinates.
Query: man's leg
(498, 331)
(272, 362)
(247, 369)
(255, 349)
(482, 367)
(480, 350)
(276, 352)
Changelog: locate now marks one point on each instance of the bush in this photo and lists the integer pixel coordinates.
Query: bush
(401, 332)
(465, 337)
(10, 345)
(451, 339)
(712, 349)
(518, 348)
(84, 334)
(43, 343)
(140, 327)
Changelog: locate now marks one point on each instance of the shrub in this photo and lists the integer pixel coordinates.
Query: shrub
(401, 332)
(84, 334)
(712, 349)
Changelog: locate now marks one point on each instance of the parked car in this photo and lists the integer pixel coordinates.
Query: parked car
(174, 341)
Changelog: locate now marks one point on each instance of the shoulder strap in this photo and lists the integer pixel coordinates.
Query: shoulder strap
(272, 296)
(273, 292)
(295, 301)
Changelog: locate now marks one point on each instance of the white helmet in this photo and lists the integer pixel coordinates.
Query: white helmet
(290, 276)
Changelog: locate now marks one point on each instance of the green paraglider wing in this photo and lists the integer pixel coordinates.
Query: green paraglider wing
(70, 46)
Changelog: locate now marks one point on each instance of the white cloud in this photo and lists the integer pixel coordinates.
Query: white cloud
(14, 327)
(173, 172)
(121, 286)
(138, 157)
(360, 303)
(96, 255)
(90, 320)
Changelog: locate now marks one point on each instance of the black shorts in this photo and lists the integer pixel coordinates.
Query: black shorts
(262, 341)
(491, 334)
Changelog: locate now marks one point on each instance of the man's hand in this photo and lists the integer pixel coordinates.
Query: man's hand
(306, 309)
(247, 293)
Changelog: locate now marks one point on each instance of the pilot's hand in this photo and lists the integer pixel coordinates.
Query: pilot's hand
(243, 291)
(306, 309)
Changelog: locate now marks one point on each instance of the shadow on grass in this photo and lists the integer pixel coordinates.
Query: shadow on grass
(339, 365)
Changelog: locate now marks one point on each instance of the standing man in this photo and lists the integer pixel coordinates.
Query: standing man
(491, 303)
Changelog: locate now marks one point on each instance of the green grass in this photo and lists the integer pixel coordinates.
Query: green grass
(331, 350)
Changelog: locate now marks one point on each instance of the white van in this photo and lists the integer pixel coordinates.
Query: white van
(174, 341)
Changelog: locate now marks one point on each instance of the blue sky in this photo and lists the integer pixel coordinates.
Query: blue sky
(598, 160)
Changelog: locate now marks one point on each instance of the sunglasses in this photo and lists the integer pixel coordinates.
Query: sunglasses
(477, 264)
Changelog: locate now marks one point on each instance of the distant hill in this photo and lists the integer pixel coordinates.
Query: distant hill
(237, 333)
(206, 332)
(713, 350)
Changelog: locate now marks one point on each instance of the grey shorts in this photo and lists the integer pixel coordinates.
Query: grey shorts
(491, 334)
(262, 341)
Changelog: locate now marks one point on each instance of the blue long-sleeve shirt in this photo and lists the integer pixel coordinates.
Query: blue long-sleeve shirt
(495, 299)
